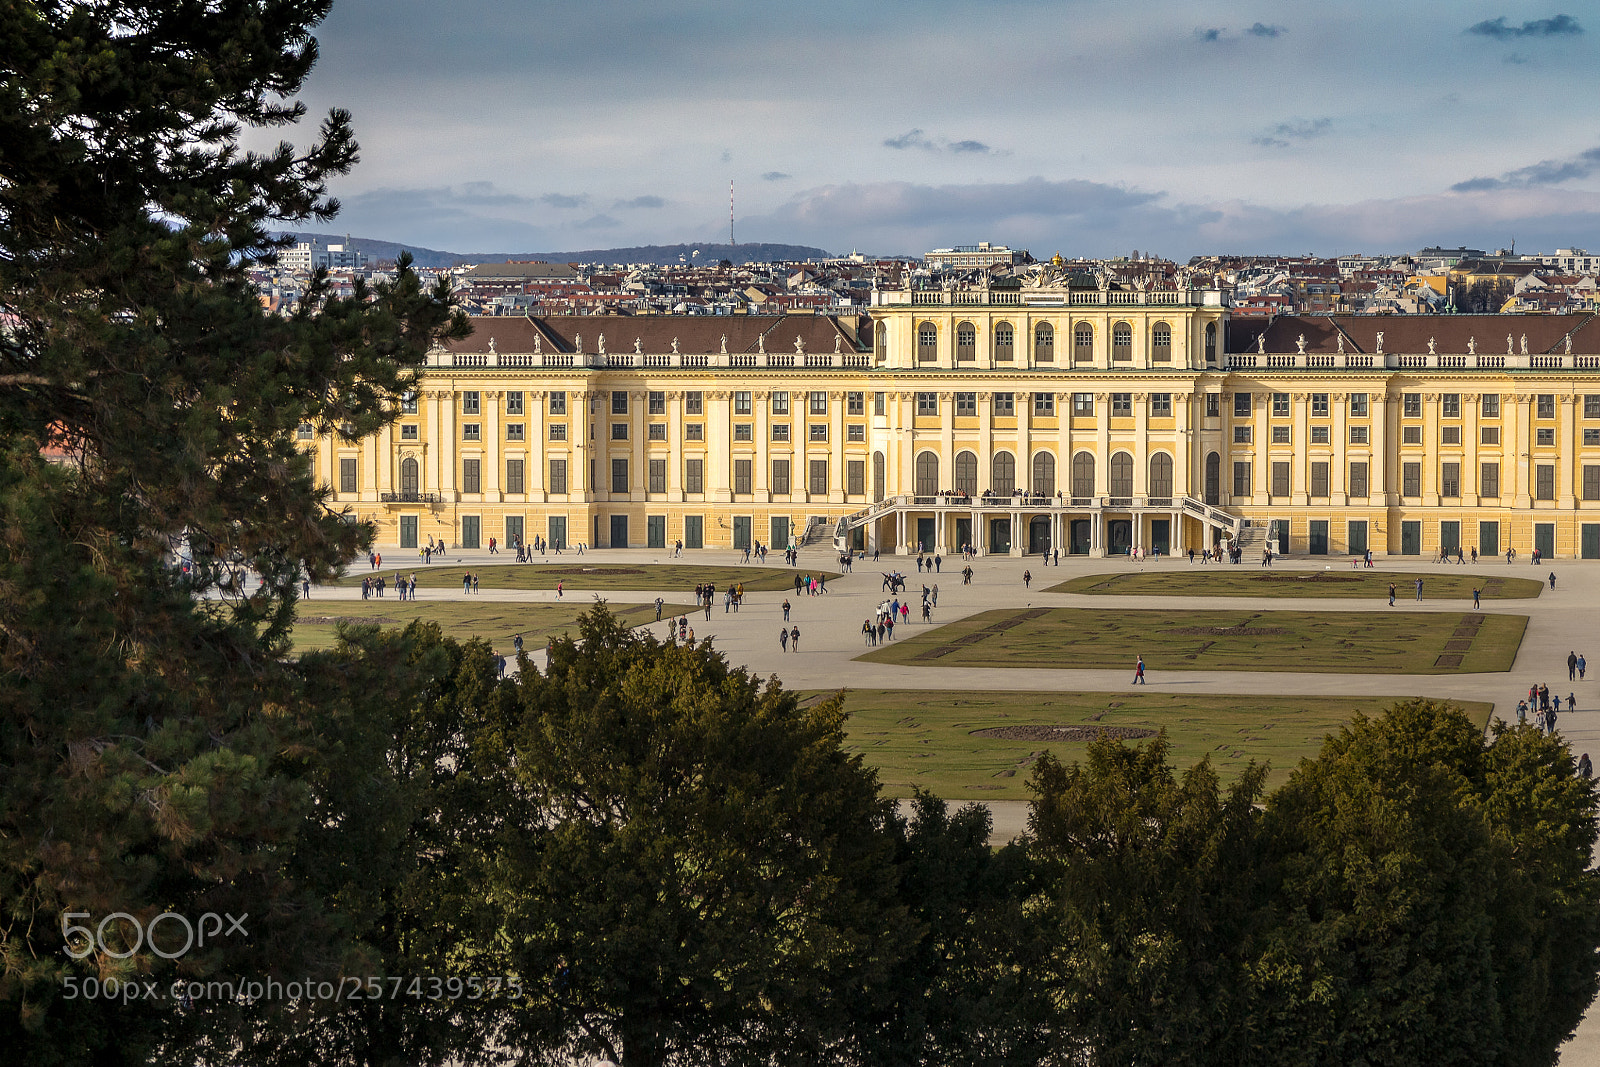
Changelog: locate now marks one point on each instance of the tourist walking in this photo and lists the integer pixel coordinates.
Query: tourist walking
(1419, 590)
(1138, 671)
(785, 609)
(783, 638)
(1572, 666)
(1475, 603)
(794, 637)
(1391, 594)
(1552, 579)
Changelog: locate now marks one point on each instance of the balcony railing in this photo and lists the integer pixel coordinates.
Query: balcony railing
(1408, 361)
(411, 497)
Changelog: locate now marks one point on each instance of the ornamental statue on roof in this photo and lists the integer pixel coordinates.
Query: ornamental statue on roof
(838, 339)
(538, 344)
(1300, 344)
(638, 346)
(1569, 344)
(491, 346)
(602, 344)
(1472, 346)
(1261, 343)
(674, 346)
(1340, 337)
(1380, 342)
(1431, 352)
(577, 343)
(1524, 344)
(799, 345)
(724, 344)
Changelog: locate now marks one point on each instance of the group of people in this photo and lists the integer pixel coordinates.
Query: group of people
(810, 585)
(933, 562)
(1543, 707)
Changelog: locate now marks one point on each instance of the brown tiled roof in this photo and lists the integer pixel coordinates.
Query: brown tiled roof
(1410, 333)
(696, 334)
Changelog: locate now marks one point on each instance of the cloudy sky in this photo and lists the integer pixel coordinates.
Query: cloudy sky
(894, 126)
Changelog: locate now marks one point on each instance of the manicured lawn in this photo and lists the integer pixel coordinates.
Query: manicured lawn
(580, 576)
(495, 621)
(930, 739)
(1339, 642)
(1226, 580)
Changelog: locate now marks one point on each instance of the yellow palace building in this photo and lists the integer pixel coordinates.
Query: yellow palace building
(1015, 420)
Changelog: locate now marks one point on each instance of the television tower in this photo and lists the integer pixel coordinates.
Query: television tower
(731, 241)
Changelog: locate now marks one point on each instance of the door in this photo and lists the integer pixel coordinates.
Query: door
(1449, 536)
(925, 535)
(999, 536)
(1081, 537)
(1317, 538)
(408, 531)
(1161, 536)
(1039, 535)
(1488, 538)
(963, 533)
(513, 530)
(1280, 534)
(1358, 537)
(1544, 539)
(694, 531)
(655, 531)
(741, 531)
(1120, 533)
(780, 533)
(557, 536)
(619, 531)
(1591, 540)
(1411, 538)
(470, 531)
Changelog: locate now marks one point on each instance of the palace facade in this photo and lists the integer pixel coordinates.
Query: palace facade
(1017, 420)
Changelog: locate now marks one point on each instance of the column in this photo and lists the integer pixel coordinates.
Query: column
(985, 444)
(761, 405)
(1471, 434)
(538, 405)
(386, 461)
(1183, 473)
(492, 399)
(433, 433)
(900, 532)
(1064, 436)
(1097, 533)
(1261, 457)
(638, 454)
(1567, 473)
(1340, 460)
(1102, 460)
(1141, 445)
(1514, 479)
(1017, 543)
(719, 444)
(1300, 457)
(447, 445)
(836, 446)
(675, 447)
(578, 487)
(1378, 465)
(1430, 455)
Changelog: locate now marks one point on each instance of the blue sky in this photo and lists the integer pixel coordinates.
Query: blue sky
(893, 126)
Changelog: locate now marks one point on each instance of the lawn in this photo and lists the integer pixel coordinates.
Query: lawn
(1225, 580)
(578, 576)
(1336, 642)
(930, 739)
(495, 621)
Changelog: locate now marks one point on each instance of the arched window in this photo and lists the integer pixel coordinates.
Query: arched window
(1005, 473)
(408, 475)
(927, 343)
(1161, 474)
(1044, 343)
(1211, 342)
(1083, 474)
(1083, 343)
(966, 342)
(927, 473)
(1213, 478)
(966, 473)
(1161, 343)
(1004, 338)
(1044, 474)
(883, 340)
(877, 476)
(1121, 474)
(1122, 341)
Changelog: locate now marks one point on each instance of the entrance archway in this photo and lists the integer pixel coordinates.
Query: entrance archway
(1120, 534)
(1039, 535)
(1080, 537)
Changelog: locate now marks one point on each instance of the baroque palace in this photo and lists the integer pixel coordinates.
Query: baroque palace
(1015, 420)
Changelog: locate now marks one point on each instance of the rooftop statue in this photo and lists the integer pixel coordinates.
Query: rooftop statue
(577, 343)
(1341, 343)
(1431, 352)
(491, 345)
(836, 341)
(674, 346)
(1511, 345)
(724, 344)
(1261, 343)
(1300, 344)
(602, 343)
(1524, 344)
(538, 344)
(761, 343)
(1380, 342)
(1569, 344)
(1472, 346)
(799, 345)
(638, 346)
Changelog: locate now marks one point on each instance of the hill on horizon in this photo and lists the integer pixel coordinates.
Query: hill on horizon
(661, 255)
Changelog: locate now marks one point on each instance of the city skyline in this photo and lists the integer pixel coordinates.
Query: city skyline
(891, 128)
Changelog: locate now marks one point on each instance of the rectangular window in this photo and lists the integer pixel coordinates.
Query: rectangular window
(1591, 437)
(408, 404)
(1450, 479)
(1544, 481)
(1319, 479)
(743, 431)
(1241, 477)
(1591, 481)
(819, 402)
(619, 475)
(656, 402)
(694, 403)
(657, 431)
(658, 476)
(1161, 405)
(1083, 405)
(619, 402)
(514, 402)
(1450, 405)
(1490, 435)
(878, 403)
(966, 405)
(741, 403)
(1280, 479)
(408, 432)
(1044, 405)
(1280, 405)
(1005, 405)
(780, 403)
(1280, 435)
(1358, 479)
(855, 403)
(1546, 436)
(619, 431)
(741, 475)
(1241, 435)
(347, 474)
(694, 476)
(514, 431)
(1319, 435)
(558, 476)
(856, 431)
(471, 402)
(694, 431)
(306, 431)
(558, 431)
(780, 431)
(1489, 480)
(1358, 405)
(1411, 435)
(927, 404)
(472, 431)
(780, 476)
(1450, 435)
(1410, 479)
(1545, 406)
(1213, 405)
(1241, 405)
(514, 480)
(1358, 435)
(1490, 403)
(855, 477)
(1121, 405)
(819, 477)
(1319, 405)
(819, 431)
(471, 478)
(1411, 405)
(1591, 406)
